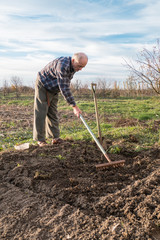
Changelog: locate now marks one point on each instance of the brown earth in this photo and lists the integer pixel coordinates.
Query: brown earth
(55, 192)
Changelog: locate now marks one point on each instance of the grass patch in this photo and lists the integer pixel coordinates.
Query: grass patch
(145, 116)
(22, 100)
(9, 140)
(110, 110)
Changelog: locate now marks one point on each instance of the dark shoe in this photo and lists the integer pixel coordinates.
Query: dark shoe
(42, 144)
(57, 140)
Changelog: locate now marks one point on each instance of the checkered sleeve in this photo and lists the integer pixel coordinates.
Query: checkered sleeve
(64, 83)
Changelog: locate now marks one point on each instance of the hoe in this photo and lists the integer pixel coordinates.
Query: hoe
(102, 165)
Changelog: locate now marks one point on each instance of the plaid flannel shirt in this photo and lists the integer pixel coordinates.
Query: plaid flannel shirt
(57, 75)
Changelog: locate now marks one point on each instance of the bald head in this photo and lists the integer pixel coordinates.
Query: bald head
(80, 56)
(79, 61)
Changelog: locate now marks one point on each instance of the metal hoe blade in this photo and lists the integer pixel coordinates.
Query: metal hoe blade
(103, 165)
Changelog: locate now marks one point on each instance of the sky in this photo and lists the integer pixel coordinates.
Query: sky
(34, 32)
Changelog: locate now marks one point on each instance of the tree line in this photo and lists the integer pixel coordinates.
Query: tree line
(143, 79)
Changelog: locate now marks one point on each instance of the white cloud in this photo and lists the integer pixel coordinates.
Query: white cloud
(34, 32)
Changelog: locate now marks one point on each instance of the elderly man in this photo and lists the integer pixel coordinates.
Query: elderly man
(55, 77)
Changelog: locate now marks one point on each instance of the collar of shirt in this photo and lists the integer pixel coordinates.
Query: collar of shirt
(71, 66)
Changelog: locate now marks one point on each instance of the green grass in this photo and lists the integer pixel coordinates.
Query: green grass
(8, 140)
(23, 100)
(145, 137)
(133, 108)
(147, 111)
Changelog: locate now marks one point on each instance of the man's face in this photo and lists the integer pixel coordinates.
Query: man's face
(79, 65)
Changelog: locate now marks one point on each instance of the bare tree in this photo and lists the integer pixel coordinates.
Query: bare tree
(131, 86)
(16, 83)
(76, 86)
(5, 88)
(103, 87)
(148, 69)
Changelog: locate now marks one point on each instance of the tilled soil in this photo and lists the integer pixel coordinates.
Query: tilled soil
(55, 192)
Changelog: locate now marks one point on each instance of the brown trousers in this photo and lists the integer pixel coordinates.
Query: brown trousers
(46, 122)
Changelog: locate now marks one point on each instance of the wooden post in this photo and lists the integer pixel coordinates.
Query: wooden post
(93, 85)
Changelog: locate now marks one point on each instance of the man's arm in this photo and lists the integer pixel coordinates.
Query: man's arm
(64, 86)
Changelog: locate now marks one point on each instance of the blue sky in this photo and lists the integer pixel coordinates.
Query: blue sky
(34, 32)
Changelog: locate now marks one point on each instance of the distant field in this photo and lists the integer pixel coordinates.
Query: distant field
(125, 123)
